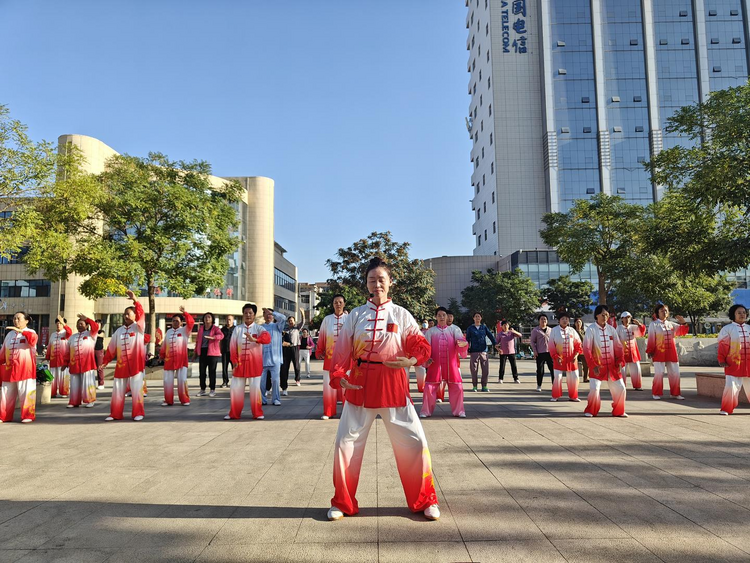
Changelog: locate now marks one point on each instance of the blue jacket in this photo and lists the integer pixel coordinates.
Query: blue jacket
(272, 352)
(476, 337)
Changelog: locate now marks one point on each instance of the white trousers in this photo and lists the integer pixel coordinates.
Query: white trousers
(304, 356)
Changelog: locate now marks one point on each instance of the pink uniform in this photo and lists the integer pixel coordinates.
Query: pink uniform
(603, 349)
(444, 369)
(631, 354)
(174, 351)
(373, 334)
(564, 347)
(329, 332)
(246, 354)
(128, 345)
(57, 356)
(663, 351)
(18, 354)
(82, 365)
(734, 354)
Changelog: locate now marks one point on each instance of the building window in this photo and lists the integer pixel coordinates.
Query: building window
(484, 207)
(479, 240)
(493, 228)
(488, 82)
(493, 197)
(479, 214)
(474, 90)
(487, 29)
(485, 234)
(284, 280)
(480, 100)
(479, 50)
(477, 187)
(476, 136)
(25, 288)
(482, 152)
(483, 182)
(492, 167)
(488, 56)
(281, 303)
(490, 138)
(475, 108)
(490, 110)
(481, 125)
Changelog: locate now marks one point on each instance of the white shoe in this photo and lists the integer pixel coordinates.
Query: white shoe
(145, 394)
(517, 381)
(679, 397)
(108, 419)
(553, 400)
(298, 384)
(422, 415)
(165, 404)
(500, 381)
(432, 512)
(89, 405)
(724, 413)
(539, 389)
(575, 400)
(27, 420)
(277, 403)
(462, 415)
(588, 414)
(335, 514)
(268, 393)
(261, 417)
(308, 376)
(212, 394)
(623, 415)
(138, 418)
(285, 393)
(656, 397)
(185, 404)
(100, 387)
(128, 394)
(324, 417)
(69, 406)
(440, 400)
(339, 402)
(227, 417)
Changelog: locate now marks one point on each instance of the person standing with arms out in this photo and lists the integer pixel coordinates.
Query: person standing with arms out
(565, 346)
(128, 346)
(226, 330)
(506, 339)
(603, 351)
(628, 333)
(582, 365)
(329, 332)
(477, 335)
(272, 355)
(174, 352)
(540, 347)
(208, 350)
(82, 363)
(378, 341)
(18, 371)
(734, 357)
(446, 342)
(662, 349)
(246, 348)
(99, 355)
(290, 352)
(305, 345)
(57, 356)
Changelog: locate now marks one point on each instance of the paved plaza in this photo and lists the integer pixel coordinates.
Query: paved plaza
(520, 479)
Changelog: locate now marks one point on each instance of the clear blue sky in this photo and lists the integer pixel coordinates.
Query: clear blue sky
(355, 106)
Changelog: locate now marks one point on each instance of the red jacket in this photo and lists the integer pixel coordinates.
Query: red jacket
(81, 345)
(18, 353)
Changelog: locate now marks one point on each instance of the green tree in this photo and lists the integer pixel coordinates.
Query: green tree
(413, 283)
(596, 230)
(461, 316)
(713, 175)
(564, 294)
(501, 295)
(352, 297)
(161, 225)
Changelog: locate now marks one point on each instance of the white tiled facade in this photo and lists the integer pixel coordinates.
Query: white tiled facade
(453, 274)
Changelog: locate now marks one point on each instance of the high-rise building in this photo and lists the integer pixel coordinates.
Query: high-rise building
(570, 97)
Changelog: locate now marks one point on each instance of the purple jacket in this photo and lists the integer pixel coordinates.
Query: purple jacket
(214, 346)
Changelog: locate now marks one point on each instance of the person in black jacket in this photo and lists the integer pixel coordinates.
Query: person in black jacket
(227, 330)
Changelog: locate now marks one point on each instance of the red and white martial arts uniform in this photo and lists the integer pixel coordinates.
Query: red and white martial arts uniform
(246, 356)
(564, 347)
(174, 351)
(603, 349)
(444, 369)
(373, 334)
(329, 332)
(128, 345)
(662, 348)
(734, 354)
(82, 366)
(631, 354)
(420, 372)
(57, 356)
(18, 373)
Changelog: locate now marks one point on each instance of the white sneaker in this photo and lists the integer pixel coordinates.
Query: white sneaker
(100, 387)
(623, 415)
(227, 417)
(440, 400)
(69, 406)
(335, 514)
(588, 414)
(422, 415)
(539, 389)
(679, 397)
(553, 400)
(656, 397)
(432, 512)
(261, 417)
(277, 403)
(27, 420)
(285, 393)
(324, 417)
(576, 400)
(308, 376)
(724, 413)
(462, 415)
(165, 404)
(339, 402)
(517, 381)
(185, 404)
(138, 418)
(500, 381)
(298, 384)
(128, 394)
(268, 393)
(212, 394)
(201, 393)
(108, 419)
(89, 405)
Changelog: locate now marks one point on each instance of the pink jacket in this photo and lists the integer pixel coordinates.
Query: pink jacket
(213, 345)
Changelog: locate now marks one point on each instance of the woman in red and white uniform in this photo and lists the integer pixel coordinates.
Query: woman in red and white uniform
(128, 345)
(329, 332)
(564, 347)
(734, 357)
(628, 332)
(57, 356)
(662, 350)
(174, 352)
(82, 363)
(18, 370)
(603, 351)
(246, 355)
(378, 341)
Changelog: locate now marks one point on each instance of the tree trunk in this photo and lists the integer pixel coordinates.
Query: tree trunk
(602, 287)
(152, 317)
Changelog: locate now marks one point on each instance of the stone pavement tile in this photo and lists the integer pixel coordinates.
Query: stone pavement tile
(493, 515)
(564, 514)
(361, 528)
(37, 526)
(11, 508)
(739, 538)
(514, 551)
(12, 555)
(434, 552)
(611, 549)
(165, 554)
(339, 552)
(66, 556)
(396, 523)
(258, 553)
(674, 548)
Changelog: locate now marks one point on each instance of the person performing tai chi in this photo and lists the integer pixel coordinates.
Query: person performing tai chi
(662, 350)
(628, 332)
(306, 344)
(539, 341)
(506, 340)
(57, 356)
(477, 335)
(246, 349)
(565, 346)
(128, 346)
(82, 363)
(18, 370)
(329, 332)
(734, 357)
(603, 351)
(174, 352)
(447, 343)
(378, 341)
(273, 356)
(420, 372)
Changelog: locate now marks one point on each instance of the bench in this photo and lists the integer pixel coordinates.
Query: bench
(712, 385)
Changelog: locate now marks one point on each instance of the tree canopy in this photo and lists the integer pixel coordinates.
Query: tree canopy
(565, 294)
(501, 295)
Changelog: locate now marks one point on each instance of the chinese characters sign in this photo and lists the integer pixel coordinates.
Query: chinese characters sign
(514, 26)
